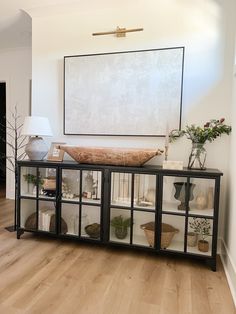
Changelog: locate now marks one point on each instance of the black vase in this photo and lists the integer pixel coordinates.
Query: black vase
(180, 193)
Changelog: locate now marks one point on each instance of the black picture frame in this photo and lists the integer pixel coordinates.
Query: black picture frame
(79, 115)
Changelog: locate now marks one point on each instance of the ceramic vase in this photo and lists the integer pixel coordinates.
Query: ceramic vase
(192, 239)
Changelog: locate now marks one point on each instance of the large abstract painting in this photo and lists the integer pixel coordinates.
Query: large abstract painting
(134, 93)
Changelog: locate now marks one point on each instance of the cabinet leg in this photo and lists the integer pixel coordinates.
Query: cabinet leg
(212, 263)
(19, 233)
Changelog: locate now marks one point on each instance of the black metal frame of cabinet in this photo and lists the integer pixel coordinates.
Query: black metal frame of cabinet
(105, 204)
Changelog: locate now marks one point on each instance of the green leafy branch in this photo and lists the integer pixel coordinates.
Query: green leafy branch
(209, 132)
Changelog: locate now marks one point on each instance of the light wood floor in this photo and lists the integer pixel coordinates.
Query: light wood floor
(40, 275)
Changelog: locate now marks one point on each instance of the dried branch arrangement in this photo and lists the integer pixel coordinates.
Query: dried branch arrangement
(13, 140)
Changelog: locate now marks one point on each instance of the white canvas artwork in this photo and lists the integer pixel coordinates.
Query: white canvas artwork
(127, 93)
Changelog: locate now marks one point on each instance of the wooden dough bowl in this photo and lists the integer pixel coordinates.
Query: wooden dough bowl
(110, 156)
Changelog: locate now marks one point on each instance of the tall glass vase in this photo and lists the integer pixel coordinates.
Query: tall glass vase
(197, 157)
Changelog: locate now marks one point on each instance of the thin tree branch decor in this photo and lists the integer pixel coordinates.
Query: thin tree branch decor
(15, 144)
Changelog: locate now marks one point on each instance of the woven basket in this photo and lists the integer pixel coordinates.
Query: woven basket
(167, 233)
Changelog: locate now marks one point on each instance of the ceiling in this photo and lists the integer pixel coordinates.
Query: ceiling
(15, 23)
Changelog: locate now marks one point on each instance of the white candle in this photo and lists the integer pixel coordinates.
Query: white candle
(167, 136)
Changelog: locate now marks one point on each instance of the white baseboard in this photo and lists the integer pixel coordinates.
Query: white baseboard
(229, 268)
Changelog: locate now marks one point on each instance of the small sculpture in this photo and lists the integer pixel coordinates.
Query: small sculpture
(201, 201)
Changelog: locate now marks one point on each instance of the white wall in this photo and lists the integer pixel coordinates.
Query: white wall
(228, 243)
(200, 26)
(15, 70)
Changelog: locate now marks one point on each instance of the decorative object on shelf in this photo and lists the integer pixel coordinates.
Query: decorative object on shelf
(111, 156)
(93, 230)
(202, 227)
(119, 32)
(192, 239)
(120, 225)
(49, 193)
(201, 201)
(32, 181)
(49, 225)
(167, 233)
(199, 136)
(149, 198)
(49, 183)
(35, 127)
(30, 222)
(88, 185)
(66, 191)
(173, 165)
(49, 187)
(210, 198)
(55, 153)
(52, 226)
(180, 193)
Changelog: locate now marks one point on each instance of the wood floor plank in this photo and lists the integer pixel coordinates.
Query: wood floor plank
(50, 276)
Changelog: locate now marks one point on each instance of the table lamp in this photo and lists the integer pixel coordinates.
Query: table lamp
(35, 127)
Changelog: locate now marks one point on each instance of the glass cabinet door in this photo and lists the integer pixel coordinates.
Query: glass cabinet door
(47, 183)
(144, 225)
(187, 212)
(37, 215)
(199, 237)
(175, 194)
(81, 192)
(120, 222)
(37, 187)
(28, 214)
(90, 224)
(28, 181)
(91, 186)
(173, 232)
(133, 209)
(69, 223)
(46, 216)
(70, 185)
(38, 182)
(144, 191)
(121, 189)
(203, 197)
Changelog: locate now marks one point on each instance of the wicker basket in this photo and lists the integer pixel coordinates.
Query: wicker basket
(167, 233)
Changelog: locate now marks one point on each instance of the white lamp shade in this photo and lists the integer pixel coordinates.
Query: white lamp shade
(36, 126)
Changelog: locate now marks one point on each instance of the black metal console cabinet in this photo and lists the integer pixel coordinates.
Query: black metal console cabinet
(164, 211)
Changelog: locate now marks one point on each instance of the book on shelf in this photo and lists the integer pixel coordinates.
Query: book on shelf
(45, 215)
